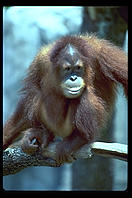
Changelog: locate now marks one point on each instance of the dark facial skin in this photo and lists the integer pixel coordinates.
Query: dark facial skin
(71, 73)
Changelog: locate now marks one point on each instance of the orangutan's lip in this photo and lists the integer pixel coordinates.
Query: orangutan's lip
(74, 90)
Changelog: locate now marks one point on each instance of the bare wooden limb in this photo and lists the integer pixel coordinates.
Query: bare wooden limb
(114, 150)
(14, 159)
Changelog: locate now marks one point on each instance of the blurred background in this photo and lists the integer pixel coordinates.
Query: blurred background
(25, 30)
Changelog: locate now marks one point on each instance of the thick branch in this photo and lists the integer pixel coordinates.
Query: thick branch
(14, 159)
(114, 150)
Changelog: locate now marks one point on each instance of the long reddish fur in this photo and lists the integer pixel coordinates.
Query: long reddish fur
(106, 66)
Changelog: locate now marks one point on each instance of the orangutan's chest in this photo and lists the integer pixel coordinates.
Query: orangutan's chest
(59, 124)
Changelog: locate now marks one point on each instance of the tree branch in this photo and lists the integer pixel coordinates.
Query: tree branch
(114, 150)
(14, 159)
